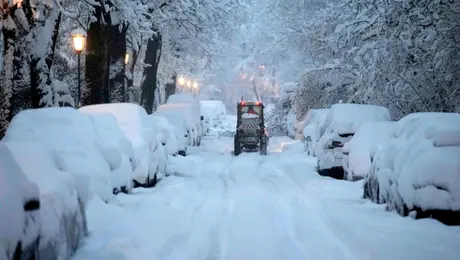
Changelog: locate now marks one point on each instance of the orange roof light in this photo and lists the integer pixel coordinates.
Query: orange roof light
(258, 103)
(242, 103)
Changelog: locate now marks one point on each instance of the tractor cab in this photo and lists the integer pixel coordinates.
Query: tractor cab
(250, 133)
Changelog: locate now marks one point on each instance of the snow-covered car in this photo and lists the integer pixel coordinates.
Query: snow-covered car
(117, 150)
(339, 126)
(194, 114)
(417, 171)
(189, 117)
(172, 137)
(19, 210)
(71, 135)
(178, 121)
(290, 123)
(215, 110)
(357, 152)
(135, 124)
(311, 131)
(62, 213)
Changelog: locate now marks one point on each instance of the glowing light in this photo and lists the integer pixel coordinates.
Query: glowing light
(195, 85)
(78, 42)
(126, 58)
(189, 83)
(181, 80)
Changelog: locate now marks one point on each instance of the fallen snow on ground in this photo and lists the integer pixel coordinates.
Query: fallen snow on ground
(256, 207)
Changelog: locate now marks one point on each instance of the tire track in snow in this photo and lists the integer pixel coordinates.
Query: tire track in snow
(218, 234)
(318, 216)
(283, 216)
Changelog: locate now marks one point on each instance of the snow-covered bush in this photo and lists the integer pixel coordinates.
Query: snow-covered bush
(70, 136)
(357, 152)
(311, 132)
(418, 169)
(340, 124)
(135, 124)
(19, 208)
(62, 215)
(215, 110)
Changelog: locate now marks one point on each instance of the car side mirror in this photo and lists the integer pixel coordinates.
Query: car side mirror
(201, 118)
(31, 205)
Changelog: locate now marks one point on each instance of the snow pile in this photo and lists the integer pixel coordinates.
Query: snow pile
(134, 122)
(71, 138)
(63, 223)
(311, 130)
(340, 124)
(16, 190)
(419, 168)
(369, 137)
(117, 150)
(215, 110)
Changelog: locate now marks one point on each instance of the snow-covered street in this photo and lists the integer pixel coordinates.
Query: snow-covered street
(254, 207)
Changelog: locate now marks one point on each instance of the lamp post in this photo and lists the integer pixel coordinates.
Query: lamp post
(79, 40)
(125, 87)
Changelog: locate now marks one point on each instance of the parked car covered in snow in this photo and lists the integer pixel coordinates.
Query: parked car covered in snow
(133, 120)
(194, 113)
(174, 139)
(192, 125)
(312, 129)
(71, 135)
(340, 124)
(62, 218)
(357, 153)
(417, 171)
(19, 209)
(177, 120)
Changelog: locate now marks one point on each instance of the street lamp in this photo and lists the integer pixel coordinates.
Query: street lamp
(181, 81)
(79, 40)
(126, 58)
(189, 83)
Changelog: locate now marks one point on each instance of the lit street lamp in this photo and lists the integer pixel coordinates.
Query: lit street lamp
(79, 40)
(126, 58)
(189, 83)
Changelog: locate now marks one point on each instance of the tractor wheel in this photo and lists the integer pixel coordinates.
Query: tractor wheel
(237, 146)
(263, 146)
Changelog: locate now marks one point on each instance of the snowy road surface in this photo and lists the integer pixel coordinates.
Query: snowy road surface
(255, 207)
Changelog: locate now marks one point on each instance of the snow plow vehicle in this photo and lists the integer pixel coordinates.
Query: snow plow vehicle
(251, 134)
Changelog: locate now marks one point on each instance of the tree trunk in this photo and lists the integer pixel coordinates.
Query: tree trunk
(97, 65)
(152, 58)
(6, 88)
(117, 63)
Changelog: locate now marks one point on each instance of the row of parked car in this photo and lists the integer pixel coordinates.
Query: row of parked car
(412, 164)
(54, 160)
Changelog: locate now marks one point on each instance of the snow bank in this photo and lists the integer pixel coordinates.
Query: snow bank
(134, 122)
(369, 137)
(71, 138)
(412, 173)
(287, 89)
(16, 190)
(63, 223)
(215, 110)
